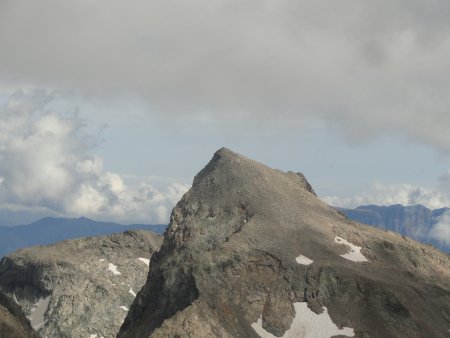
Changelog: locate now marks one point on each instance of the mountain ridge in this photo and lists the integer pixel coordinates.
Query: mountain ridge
(79, 287)
(50, 230)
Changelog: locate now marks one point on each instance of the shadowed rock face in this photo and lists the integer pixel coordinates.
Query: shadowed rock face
(13, 323)
(239, 249)
(82, 287)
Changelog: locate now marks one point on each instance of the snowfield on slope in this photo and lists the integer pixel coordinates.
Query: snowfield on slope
(113, 269)
(132, 292)
(144, 260)
(354, 254)
(307, 324)
(303, 260)
(36, 316)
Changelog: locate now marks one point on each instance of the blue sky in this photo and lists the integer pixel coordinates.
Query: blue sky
(109, 108)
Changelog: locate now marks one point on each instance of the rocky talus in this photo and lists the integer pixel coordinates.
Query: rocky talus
(13, 323)
(252, 252)
(82, 287)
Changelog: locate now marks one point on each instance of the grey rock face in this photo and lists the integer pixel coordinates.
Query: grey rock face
(231, 254)
(13, 323)
(82, 287)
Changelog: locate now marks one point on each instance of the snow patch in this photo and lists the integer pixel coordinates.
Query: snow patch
(113, 269)
(145, 260)
(93, 335)
(132, 292)
(303, 260)
(307, 324)
(37, 313)
(124, 308)
(101, 260)
(354, 254)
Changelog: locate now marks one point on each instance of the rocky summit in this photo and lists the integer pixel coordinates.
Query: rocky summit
(252, 252)
(82, 287)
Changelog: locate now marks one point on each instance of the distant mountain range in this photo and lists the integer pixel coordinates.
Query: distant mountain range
(50, 230)
(416, 221)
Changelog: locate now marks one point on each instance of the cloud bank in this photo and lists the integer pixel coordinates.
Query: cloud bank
(46, 168)
(441, 230)
(362, 67)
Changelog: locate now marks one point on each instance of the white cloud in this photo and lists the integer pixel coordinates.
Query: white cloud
(363, 67)
(45, 165)
(441, 230)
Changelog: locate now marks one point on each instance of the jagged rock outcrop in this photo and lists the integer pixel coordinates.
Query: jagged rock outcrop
(13, 323)
(250, 251)
(82, 287)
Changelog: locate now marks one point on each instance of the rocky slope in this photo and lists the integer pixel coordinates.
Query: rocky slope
(414, 221)
(79, 288)
(13, 323)
(250, 251)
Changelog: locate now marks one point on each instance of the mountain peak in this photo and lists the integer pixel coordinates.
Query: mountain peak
(232, 170)
(248, 246)
(223, 160)
(224, 151)
(231, 188)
